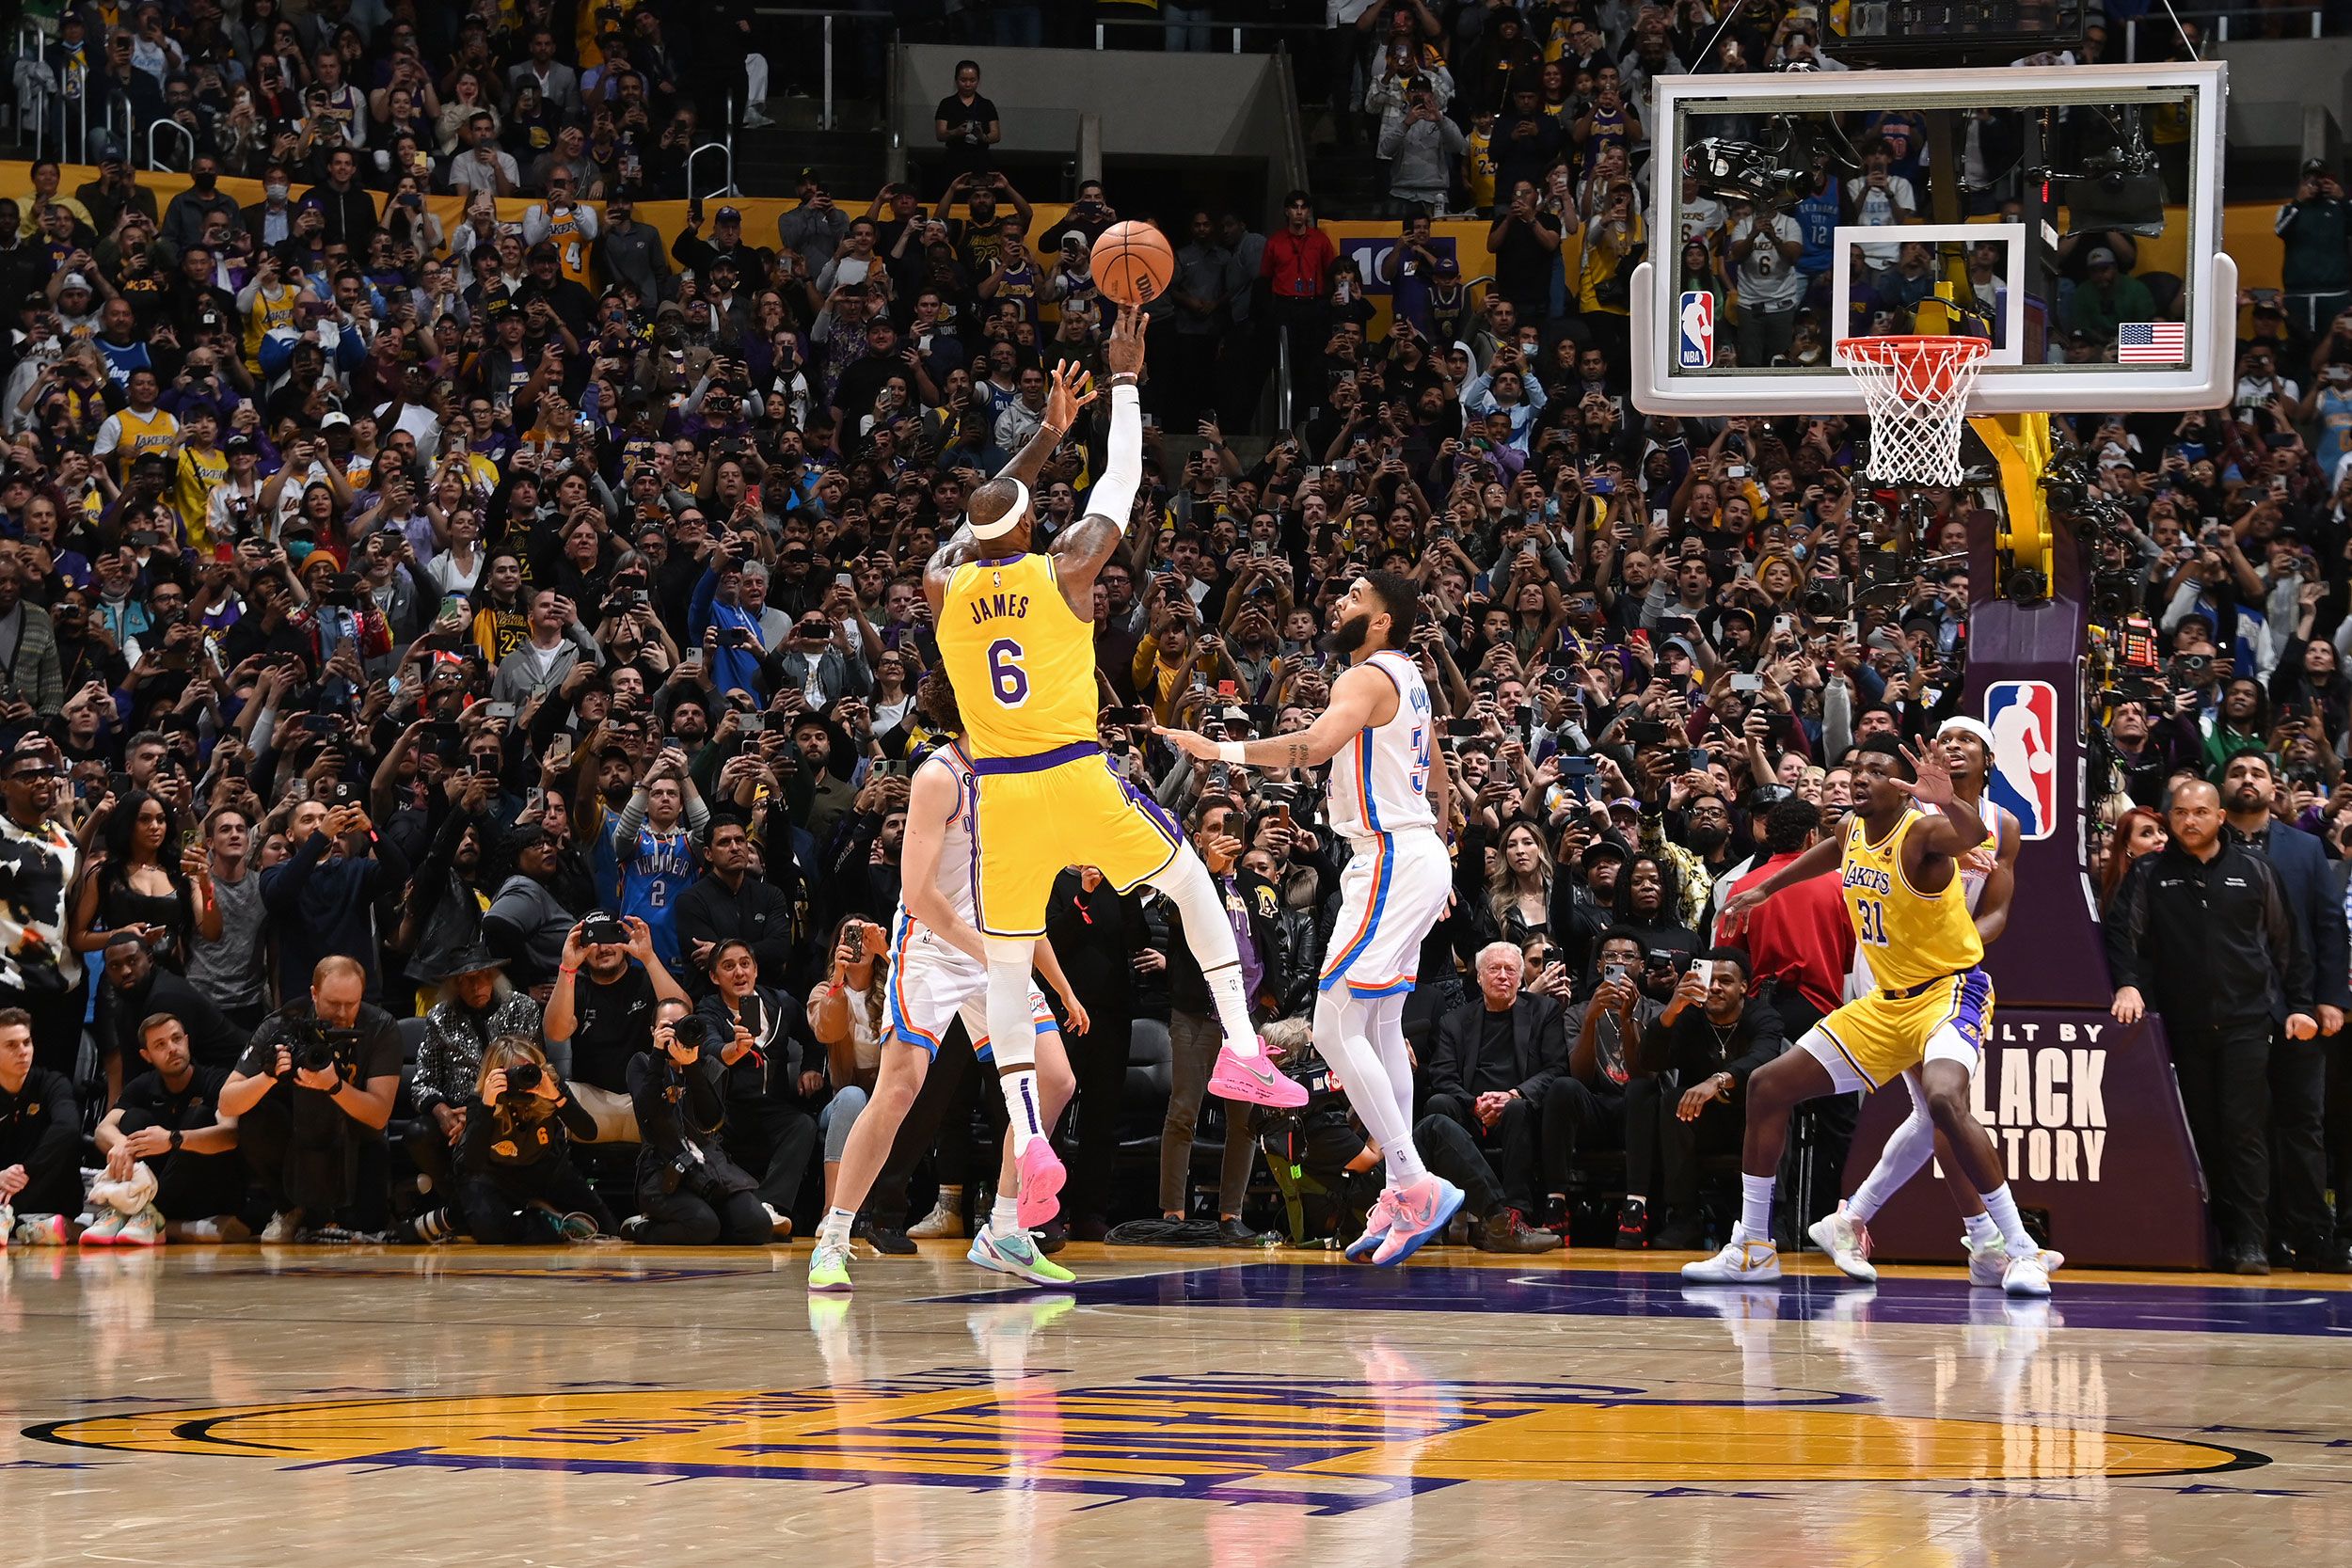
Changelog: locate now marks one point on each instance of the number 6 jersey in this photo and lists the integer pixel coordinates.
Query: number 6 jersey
(1021, 663)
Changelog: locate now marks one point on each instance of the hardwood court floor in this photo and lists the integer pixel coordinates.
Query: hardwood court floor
(625, 1406)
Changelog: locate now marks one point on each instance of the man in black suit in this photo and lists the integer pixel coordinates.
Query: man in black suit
(2303, 1226)
(1492, 1068)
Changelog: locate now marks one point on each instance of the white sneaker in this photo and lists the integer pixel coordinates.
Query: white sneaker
(144, 1228)
(779, 1225)
(282, 1228)
(43, 1230)
(227, 1227)
(105, 1227)
(1847, 1240)
(754, 121)
(1987, 1261)
(1740, 1263)
(944, 1223)
(2026, 1277)
(7, 1225)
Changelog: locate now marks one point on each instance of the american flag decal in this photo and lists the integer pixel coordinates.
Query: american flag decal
(2150, 342)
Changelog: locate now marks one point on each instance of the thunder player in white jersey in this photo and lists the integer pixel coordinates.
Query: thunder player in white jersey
(1988, 877)
(939, 974)
(1386, 801)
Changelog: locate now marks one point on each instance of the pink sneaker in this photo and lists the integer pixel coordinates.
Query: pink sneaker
(1041, 1176)
(1377, 1223)
(1420, 1211)
(1255, 1079)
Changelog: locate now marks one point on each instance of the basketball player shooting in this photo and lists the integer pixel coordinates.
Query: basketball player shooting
(1016, 638)
(1386, 801)
(1901, 874)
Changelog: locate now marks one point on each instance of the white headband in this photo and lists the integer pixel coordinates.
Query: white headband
(1966, 726)
(1011, 520)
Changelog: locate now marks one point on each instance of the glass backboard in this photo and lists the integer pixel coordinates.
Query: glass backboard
(2069, 215)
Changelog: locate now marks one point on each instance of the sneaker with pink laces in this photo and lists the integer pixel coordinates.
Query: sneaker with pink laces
(1041, 1176)
(1420, 1210)
(1377, 1224)
(1847, 1240)
(1255, 1079)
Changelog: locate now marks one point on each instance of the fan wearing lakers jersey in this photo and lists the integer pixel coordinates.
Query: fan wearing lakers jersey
(1016, 638)
(1386, 801)
(1899, 867)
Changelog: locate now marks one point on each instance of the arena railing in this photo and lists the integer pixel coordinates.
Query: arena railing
(2158, 32)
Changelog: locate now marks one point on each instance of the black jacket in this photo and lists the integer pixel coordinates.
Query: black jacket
(2314, 898)
(2206, 941)
(1539, 1047)
(41, 1127)
(489, 1147)
(212, 1041)
(757, 913)
(680, 1114)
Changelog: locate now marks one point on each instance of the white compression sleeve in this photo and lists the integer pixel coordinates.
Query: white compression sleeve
(1907, 1148)
(1340, 1024)
(1113, 494)
(1209, 936)
(1386, 1029)
(1010, 1020)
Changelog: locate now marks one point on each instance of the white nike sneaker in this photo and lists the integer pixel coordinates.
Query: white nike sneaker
(1740, 1263)
(1847, 1240)
(1987, 1261)
(144, 1228)
(102, 1229)
(284, 1226)
(944, 1223)
(2026, 1277)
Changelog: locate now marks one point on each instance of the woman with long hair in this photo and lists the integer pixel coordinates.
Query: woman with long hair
(1519, 889)
(846, 1013)
(688, 1193)
(144, 885)
(517, 1182)
(2137, 834)
(768, 1082)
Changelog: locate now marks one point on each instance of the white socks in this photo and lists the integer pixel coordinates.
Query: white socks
(1210, 935)
(834, 1229)
(1027, 1117)
(1009, 1018)
(1004, 1215)
(1339, 1034)
(2001, 1209)
(1981, 1230)
(1756, 1207)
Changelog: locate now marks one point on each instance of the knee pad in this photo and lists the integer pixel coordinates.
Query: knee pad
(1017, 1055)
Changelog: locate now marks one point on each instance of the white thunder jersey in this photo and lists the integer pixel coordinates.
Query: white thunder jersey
(932, 981)
(1380, 779)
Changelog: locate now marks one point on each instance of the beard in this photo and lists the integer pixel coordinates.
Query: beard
(1707, 840)
(1348, 636)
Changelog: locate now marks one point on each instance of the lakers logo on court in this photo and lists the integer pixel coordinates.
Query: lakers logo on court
(1331, 1444)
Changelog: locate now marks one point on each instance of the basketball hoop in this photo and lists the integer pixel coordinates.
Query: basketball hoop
(1918, 392)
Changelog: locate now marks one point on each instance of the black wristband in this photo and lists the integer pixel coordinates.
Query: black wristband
(175, 1140)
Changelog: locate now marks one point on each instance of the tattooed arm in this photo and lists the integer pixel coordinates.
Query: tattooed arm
(1363, 697)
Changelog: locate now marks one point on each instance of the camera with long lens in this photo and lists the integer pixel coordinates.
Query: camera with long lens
(522, 1083)
(2067, 485)
(319, 1047)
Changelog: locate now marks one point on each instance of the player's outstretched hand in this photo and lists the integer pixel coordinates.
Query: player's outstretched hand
(1935, 777)
(1071, 391)
(1124, 350)
(1733, 919)
(1189, 742)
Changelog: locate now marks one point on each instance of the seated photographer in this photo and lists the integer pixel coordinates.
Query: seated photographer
(1711, 1036)
(476, 1005)
(518, 1183)
(688, 1193)
(169, 1124)
(606, 992)
(1491, 1068)
(311, 1096)
(772, 1078)
(41, 1141)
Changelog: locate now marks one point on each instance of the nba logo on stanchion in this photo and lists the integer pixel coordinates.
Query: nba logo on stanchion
(1695, 348)
(2022, 717)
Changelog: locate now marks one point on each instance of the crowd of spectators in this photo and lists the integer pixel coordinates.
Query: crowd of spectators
(435, 666)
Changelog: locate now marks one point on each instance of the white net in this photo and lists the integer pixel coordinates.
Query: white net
(1917, 391)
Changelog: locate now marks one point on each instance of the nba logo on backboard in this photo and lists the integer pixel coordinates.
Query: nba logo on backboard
(1694, 349)
(2022, 717)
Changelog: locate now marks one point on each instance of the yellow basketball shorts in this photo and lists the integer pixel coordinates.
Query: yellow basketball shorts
(1059, 808)
(1876, 1038)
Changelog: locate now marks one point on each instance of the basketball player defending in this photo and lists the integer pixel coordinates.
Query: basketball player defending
(1016, 638)
(1386, 801)
(1989, 877)
(1899, 870)
(939, 974)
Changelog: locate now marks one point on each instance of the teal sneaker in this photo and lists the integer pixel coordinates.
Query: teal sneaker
(829, 1269)
(1017, 1255)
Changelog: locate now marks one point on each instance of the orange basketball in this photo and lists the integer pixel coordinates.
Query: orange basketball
(1132, 262)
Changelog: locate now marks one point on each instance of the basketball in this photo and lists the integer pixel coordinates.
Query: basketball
(1132, 262)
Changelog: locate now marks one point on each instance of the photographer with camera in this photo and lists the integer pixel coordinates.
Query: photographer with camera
(608, 1014)
(311, 1096)
(515, 1162)
(688, 1193)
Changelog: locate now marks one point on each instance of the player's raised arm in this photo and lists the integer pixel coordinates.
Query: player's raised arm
(1954, 827)
(1822, 857)
(1357, 699)
(1081, 549)
(1068, 390)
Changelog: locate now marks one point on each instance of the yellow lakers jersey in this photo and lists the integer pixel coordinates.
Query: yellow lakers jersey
(1910, 937)
(154, 430)
(1021, 663)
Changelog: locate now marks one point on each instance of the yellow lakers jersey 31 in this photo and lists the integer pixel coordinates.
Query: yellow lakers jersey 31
(1021, 662)
(1910, 937)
